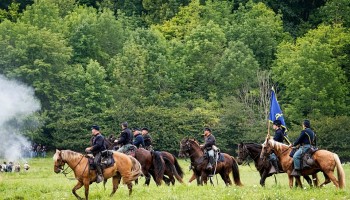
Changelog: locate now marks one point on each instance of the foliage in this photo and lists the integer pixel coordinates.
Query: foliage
(40, 182)
(177, 66)
(310, 71)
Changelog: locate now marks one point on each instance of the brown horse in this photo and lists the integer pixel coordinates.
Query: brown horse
(191, 149)
(125, 167)
(172, 168)
(152, 162)
(325, 161)
(253, 151)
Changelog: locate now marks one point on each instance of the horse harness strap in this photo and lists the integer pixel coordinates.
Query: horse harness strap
(64, 170)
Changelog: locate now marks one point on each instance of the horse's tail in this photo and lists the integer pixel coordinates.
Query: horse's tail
(178, 167)
(136, 169)
(340, 171)
(175, 168)
(158, 164)
(235, 172)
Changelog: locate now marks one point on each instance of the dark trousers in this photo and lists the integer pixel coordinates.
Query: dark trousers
(97, 162)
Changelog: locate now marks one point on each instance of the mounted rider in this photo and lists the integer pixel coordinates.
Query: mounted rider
(97, 146)
(125, 138)
(147, 138)
(278, 137)
(138, 141)
(306, 139)
(208, 147)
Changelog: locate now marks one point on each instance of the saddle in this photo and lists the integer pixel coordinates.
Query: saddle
(218, 156)
(131, 151)
(307, 161)
(107, 160)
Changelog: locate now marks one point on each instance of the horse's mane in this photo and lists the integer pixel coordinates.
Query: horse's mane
(253, 145)
(69, 155)
(194, 141)
(279, 146)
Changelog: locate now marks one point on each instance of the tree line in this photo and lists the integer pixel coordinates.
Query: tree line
(179, 66)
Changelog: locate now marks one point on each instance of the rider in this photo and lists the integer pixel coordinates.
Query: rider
(97, 145)
(138, 141)
(125, 138)
(208, 146)
(305, 140)
(279, 137)
(147, 138)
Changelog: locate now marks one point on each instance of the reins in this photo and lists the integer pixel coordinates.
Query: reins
(72, 169)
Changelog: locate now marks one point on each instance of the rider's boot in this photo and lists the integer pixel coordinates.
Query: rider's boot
(99, 174)
(210, 163)
(275, 165)
(296, 172)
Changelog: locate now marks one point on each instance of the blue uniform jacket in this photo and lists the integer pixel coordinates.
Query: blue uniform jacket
(98, 144)
(126, 137)
(139, 140)
(279, 135)
(304, 138)
(209, 141)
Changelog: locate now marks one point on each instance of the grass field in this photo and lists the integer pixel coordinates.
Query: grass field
(40, 182)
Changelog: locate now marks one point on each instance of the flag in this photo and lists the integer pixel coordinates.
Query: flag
(275, 110)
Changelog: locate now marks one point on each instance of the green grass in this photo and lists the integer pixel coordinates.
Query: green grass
(40, 182)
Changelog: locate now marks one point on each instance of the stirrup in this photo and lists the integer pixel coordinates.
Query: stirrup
(295, 173)
(99, 178)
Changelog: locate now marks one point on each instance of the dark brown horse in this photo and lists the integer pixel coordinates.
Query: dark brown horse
(125, 167)
(325, 161)
(253, 151)
(152, 162)
(191, 149)
(172, 168)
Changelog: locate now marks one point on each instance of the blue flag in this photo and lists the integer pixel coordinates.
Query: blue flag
(275, 110)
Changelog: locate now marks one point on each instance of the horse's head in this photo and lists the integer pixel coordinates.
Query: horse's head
(184, 147)
(58, 161)
(242, 153)
(187, 145)
(267, 148)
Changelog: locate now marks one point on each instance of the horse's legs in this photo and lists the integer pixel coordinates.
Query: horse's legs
(263, 177)
(297, 178)
(290, 178)
(166, 180)
(314, 180)
(192, 177)
(333, 179)
(148, 178)
(199, 180)
(130, 188)
(308, 179)
(204, 178)
(76, 187)
(326, 181)
(115, 181)
(86, 183)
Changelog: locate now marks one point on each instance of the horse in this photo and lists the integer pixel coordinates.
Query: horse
(191, 149)
(253, 150)
(172, 168)
(152, 163)
(325, 161)
(125, 167)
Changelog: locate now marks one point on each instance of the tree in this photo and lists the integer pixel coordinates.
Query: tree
(309, 71)
(260, 29)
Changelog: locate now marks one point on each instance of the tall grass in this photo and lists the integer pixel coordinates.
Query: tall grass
(40, 182)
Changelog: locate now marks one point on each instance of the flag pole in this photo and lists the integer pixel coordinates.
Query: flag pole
(268, 129)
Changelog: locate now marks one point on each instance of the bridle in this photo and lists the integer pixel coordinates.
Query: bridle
(61, 164)
(245, 153)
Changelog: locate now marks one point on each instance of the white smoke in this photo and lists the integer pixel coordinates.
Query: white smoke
(17, 102)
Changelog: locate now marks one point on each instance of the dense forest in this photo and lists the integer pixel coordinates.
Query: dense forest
(178, 66)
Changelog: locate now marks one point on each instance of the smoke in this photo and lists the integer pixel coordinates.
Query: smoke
(17, 104)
